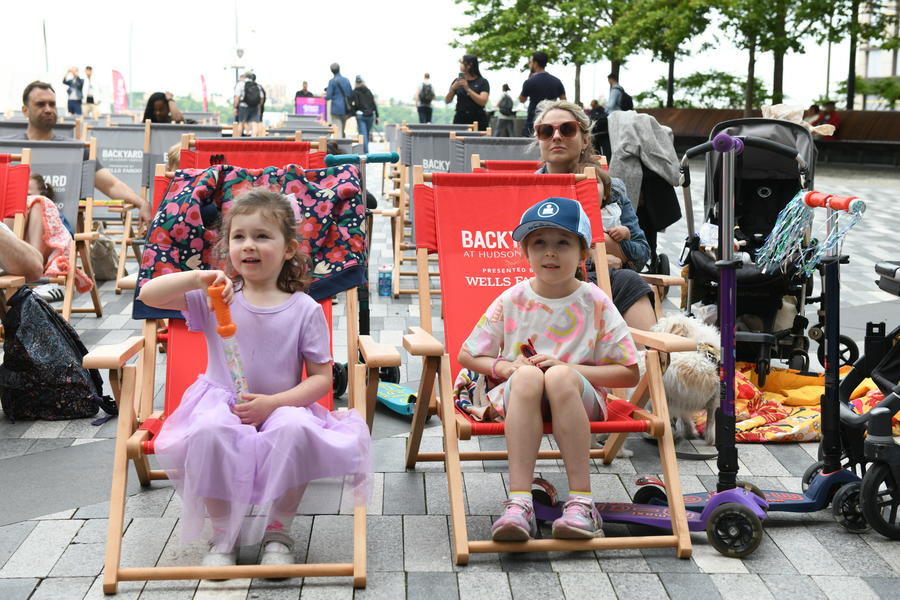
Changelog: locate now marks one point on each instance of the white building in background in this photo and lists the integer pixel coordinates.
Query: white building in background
(873, 61)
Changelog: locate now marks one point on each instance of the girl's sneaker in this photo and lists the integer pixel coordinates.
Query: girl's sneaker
(580, 520)
(517, 524)
(278, 549)
(216, 557)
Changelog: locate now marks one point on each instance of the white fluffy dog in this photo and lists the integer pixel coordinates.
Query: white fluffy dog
(692, 378)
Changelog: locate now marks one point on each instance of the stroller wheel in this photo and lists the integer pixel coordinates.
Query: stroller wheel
(662, 265)
(389, 374)
(340, 379)
(848, 352)
(799, 360)
(879, 499)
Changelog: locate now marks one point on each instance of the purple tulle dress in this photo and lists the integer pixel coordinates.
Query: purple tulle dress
(215, 461)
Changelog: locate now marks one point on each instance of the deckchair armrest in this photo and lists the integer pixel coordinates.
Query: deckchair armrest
(387, 212)
(87, 236)
(11, 281)
(666, 280)
(378, 355)
(419, 342)
(113, 356)
(665, 342)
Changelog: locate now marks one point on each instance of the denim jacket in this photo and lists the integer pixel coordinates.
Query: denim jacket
(636, 249)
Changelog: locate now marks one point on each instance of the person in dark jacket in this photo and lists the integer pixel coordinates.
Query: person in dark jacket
(366, 110)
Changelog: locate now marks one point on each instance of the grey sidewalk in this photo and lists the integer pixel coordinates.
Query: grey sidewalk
(55, 482)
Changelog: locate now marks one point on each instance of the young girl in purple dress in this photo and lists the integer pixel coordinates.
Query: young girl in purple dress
(226, 455)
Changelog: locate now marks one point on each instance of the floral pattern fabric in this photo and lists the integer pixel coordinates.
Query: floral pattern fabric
(330, 215)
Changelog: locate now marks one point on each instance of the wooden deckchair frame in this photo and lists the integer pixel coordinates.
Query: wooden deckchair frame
(133, 384)
(436, 367)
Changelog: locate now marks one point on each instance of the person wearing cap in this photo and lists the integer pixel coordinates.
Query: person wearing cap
(341, 95)
(549, 347)
(366, 111)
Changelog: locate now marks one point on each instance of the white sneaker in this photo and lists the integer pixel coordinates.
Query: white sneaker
(50, 292)
(216, 558)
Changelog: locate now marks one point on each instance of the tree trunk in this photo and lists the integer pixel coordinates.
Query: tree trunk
(670, 86)
(751, 67)
(577, 83)
(851, 70)
(778, 77)
(614, 67)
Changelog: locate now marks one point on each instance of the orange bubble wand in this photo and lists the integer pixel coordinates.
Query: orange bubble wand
(226, 331)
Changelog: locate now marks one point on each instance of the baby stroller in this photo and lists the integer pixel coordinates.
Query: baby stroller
(770, 305)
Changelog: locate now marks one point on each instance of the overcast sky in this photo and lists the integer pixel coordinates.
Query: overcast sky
(391, 43)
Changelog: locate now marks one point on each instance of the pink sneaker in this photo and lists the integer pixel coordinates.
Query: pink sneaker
(517, 524)
(580, 520)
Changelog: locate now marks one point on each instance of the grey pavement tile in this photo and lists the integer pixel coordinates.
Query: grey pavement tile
(479, 528)
(796, 587)
(740, 587)
(768, 559)
(526, 562)
(10, 429)
(322, 497)
(484, 586)
(80, 560)
(426, 543)
(804, 551)
(431, 586)
(484, 493)
(331, 539)
(791, 456)
(663, 560)
(12, 536)
(93, 531)
(637, 586)
(688, 586)
(885, 587)
(622, 561)
(404, 494)
(389, 455)
(55, 588)
(574, 562)
(849, 549)
(37, 554)
(384, 543)
(10, 447)
(264, 589)
(231, 589)
(42, 445)
(18, 588)
(326, 588)
(838, 587)
(437, 499)
(577, 586)
(525, 586)
(144, 540)
(45, 429)
(382, 586)
(80, 428)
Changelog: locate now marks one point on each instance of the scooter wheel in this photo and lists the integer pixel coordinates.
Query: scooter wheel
(848, 351)
(544, 492)
(389, 374)
(651, 494)
(810, 473)
(734, 530)
(846, 509)
(879, 499)
(340, 379)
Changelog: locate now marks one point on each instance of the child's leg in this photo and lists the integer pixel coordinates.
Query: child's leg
(219, 512)
(571, 427)
(524, 426)
(284, 508)
(34, 230)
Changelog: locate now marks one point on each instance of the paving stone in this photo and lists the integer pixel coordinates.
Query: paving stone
(62, 587)
(11, 447)
(688, 586)
(39, 551)
(484, 586)
(17, 588)
(885, 587)
(535, 585)
(434, 586)
(479, 528)
(637, 586)
(264, 589)
(437, 500)
(837, 587)
(484, 493)
(57, 516)
(404, 494)
(231, 589)
(12, 536)
(806, 553)
(93, 531)
(331, 539)
(10, 429)
(80, 428)
(322, 497)
(380, 585)
(741, 587)
(426, 543)
(577, 586)
(791, 456)
(622, 561)
(144, 540)
(663, 560)
(796, 587)
(574, 562)
(384, 543)
(45, 429)
(80, 560)
(849, 549)
(326, 588)
(44, 444)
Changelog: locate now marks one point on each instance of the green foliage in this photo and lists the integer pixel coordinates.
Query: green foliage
(662, 26)
(710, 89)
(886, 88)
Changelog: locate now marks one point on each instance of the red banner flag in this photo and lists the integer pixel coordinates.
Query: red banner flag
(120, 95)
(203, 84)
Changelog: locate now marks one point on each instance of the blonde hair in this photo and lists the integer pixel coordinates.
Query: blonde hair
(173, 157)
(276, 207)
(586, 158)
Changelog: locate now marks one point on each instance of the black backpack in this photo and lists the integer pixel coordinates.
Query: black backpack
(427, 94)
(505, 106)
(627, 102)
(252, 93)
(41, 376)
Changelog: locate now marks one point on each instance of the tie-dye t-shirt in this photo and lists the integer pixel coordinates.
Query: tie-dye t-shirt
(582, 328)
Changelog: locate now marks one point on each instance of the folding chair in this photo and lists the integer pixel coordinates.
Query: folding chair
(13, 191)
(133, 385)
(251, 153)
(462, 148)
(64, 166)
(306, 132)
(480, 165)
(202, 118)
(471, 277)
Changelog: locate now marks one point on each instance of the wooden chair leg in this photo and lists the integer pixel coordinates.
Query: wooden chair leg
(88, 267)
(127, 236)
(459, 534)
(359, 512)
(420, 412)
(69, 293)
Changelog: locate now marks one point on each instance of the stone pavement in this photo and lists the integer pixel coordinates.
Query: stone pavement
(55, 481)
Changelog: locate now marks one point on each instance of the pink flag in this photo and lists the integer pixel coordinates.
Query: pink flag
(120, 96)
(203, 83)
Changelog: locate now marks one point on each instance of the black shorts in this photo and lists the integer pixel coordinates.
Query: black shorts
(248, 114)
(627, 288)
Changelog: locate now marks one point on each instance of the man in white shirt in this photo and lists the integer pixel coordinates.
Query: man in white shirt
(90, 107)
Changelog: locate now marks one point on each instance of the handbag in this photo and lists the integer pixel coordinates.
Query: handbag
(104, 258)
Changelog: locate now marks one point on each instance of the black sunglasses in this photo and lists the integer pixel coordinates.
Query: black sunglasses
(566, 130)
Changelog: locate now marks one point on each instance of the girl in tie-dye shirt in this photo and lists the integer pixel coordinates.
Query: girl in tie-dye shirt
(581, 345)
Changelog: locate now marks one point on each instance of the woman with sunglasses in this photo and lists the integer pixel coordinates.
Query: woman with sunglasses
(563, 133)
(471, 91)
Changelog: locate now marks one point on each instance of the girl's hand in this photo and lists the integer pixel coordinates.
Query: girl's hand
(619, 233)
(544, 361)
(254, 408)
(214, 278)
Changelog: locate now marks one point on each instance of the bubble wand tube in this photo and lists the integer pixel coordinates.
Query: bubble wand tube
(226, 331)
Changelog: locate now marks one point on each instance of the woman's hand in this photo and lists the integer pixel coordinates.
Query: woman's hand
(619, 233)
(544, 361)
(255, 408)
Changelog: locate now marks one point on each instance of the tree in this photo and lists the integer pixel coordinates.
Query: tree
(708, 89)
(662, 27)
(746, 20)
(503, 33)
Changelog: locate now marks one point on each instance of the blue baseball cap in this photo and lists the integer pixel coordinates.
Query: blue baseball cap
(562, 213)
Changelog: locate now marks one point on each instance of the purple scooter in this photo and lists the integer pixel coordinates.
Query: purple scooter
(732, 517)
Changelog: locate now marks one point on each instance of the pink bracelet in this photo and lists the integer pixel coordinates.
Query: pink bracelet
(494, 367)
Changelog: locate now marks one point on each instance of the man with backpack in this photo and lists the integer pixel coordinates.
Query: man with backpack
(539, 86)
(341, 95)
(249, 98)
(619, 99)
(424, 97)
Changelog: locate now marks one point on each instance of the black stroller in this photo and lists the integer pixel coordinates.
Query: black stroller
(770, 305)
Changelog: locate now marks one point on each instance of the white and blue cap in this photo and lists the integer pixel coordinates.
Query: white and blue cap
(562, 213)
